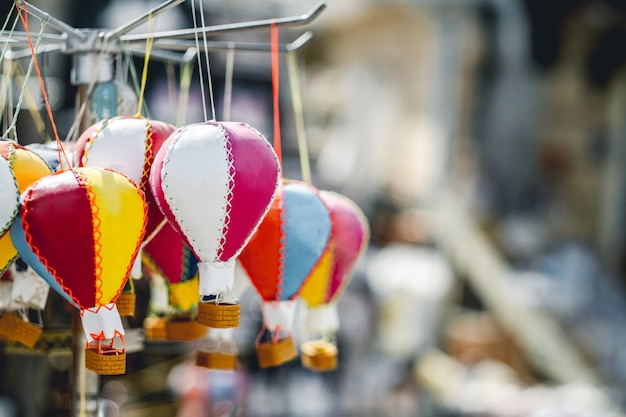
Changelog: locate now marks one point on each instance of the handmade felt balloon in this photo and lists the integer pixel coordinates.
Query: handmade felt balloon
(100, 217)
(280, 256)
(126, 144)
(19, 168)
(349, 237)
(214, 182)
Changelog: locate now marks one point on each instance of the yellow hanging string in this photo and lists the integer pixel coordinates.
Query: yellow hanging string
(183, 96)
(186, 71)
(146, 60)
(296, 98)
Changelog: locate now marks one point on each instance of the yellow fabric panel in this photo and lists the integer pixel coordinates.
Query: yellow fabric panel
(121, 210)
(7, 251)
(184, 295)
(28, 168)
(314, 290)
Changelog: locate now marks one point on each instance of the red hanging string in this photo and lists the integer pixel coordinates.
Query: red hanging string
(24, 18)
(275, 83)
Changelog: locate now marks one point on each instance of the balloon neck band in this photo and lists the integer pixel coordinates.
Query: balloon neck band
(101, 323)
(323, 319)
(216, 277)
(279, 315)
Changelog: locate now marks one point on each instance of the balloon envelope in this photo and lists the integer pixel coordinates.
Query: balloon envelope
(126, 144)
(289, 242)
(214, 182)
(350, 233)
(81, 229)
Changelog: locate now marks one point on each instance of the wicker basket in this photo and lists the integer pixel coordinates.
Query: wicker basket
(219, 316)
(319, 355)
(184, 330)
(13, 328)
(276, 353)
(126, 304)
(106, 363)
(154, 328)
(216, 360)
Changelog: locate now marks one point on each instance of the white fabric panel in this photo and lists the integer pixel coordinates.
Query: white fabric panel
(216, 277)
(136, 272)
(279, 314)
(6, 288)
(194, 179)
(242, 281)
(29, 290)
(220, 334)
(323, 319)
(106, 320)
(121, 146)
(8, 193)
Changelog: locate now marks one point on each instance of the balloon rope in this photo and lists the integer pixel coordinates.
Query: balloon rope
(208, 67)
(296, 98)
(146, 61)
(195, 26)
(183, 97)
(24, 18)
(228, 82)
(38, 121)
(4, 26)
(275, 92)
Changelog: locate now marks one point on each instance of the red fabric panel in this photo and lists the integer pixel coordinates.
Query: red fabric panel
(57, 221)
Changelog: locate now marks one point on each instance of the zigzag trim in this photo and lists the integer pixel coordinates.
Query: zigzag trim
(228, 148)
(282, 251)
(148, 155)
(85, 156)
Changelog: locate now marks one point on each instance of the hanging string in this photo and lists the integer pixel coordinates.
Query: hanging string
(38, 121)
(146, 61)
(275, 91)
(296, 99)
(186, 71)
(195, 26)
(12, 129)
(4, 26)
(208, 67)
(228, 82)
(133, 74)
(24, 18)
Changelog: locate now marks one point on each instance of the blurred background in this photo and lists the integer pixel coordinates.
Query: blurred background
(485, 140)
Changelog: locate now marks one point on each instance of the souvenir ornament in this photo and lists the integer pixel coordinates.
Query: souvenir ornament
(19, 168)
(349, 237)
(219, 350)
(126, 144)
(280, 256)
(100, 215)
(168, 256)
(214, 182)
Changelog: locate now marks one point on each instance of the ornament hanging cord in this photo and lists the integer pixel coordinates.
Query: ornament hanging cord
(195, 26)
(60, 149)
(208, 66)
(275, 91)
(5, 91)
(296, 98)
(146, 61)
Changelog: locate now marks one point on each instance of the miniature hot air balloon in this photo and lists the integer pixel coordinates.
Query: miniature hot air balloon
(19, 168)
(214, 182)
(167, 256)
(349, 237)
(80, 230)
(219, 350)
(128, 145)
(280, 256)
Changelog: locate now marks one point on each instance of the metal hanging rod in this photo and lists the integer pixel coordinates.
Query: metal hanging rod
(184, 45)
(121, 30)
(232, 27)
